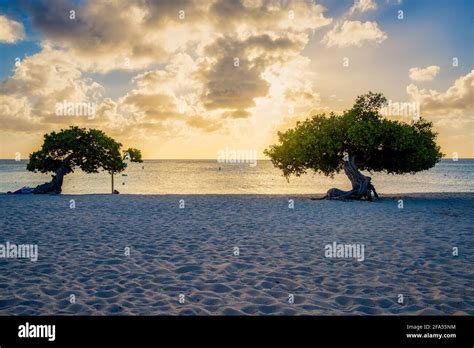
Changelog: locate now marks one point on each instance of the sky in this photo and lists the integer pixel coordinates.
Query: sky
(185, 79)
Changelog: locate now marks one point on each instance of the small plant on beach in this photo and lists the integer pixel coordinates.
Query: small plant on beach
(88, 149)
(359, 139)
(133, 155)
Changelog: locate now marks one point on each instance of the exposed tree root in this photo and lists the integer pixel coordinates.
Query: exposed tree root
(55, 185)
(362, 188)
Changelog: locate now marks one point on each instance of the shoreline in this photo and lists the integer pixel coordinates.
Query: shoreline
(420, 195)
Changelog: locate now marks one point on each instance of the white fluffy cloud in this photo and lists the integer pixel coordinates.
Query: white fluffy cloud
(426, 74)
(354, 33)
(456, 99)
(49, 72)
(38, 84)
(15, 114)
(10, 30)
(363, 6)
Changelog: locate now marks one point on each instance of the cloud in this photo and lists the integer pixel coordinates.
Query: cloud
(228, 86)
(134, 35)
(456, 99)
(291, 97)
(15, 114)
(353, 33)
(233, 77)
(236, 114)
(190, 80)
(204, 123)
(426, 74)
(264, 16)
(169, 97)
(10, 31)
(110, 35)
(363, 6)
(157, 106)
(49, 72)
(45, 79)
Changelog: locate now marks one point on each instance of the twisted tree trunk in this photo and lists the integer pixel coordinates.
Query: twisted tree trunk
(361, 185)
(55, 185)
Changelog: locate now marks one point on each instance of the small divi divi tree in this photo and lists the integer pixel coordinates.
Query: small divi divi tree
(90, 150)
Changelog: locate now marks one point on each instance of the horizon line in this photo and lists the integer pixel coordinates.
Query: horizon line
(210, 159)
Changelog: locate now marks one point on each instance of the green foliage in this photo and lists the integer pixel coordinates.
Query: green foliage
(377, 144)
(90, 150)
(134, 155)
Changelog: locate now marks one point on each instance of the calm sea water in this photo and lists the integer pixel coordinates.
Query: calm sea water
(204, 177)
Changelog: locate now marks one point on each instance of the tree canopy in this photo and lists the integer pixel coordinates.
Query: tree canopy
(90, 150)
(133, 154)
(323, 143)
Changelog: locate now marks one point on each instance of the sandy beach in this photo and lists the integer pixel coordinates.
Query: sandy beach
(237, 255)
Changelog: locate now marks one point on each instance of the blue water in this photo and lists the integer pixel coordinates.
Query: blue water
(204, 176)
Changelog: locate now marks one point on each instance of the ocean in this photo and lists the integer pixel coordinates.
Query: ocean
(205, 177)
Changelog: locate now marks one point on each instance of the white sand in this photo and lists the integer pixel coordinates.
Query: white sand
(190, 251)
